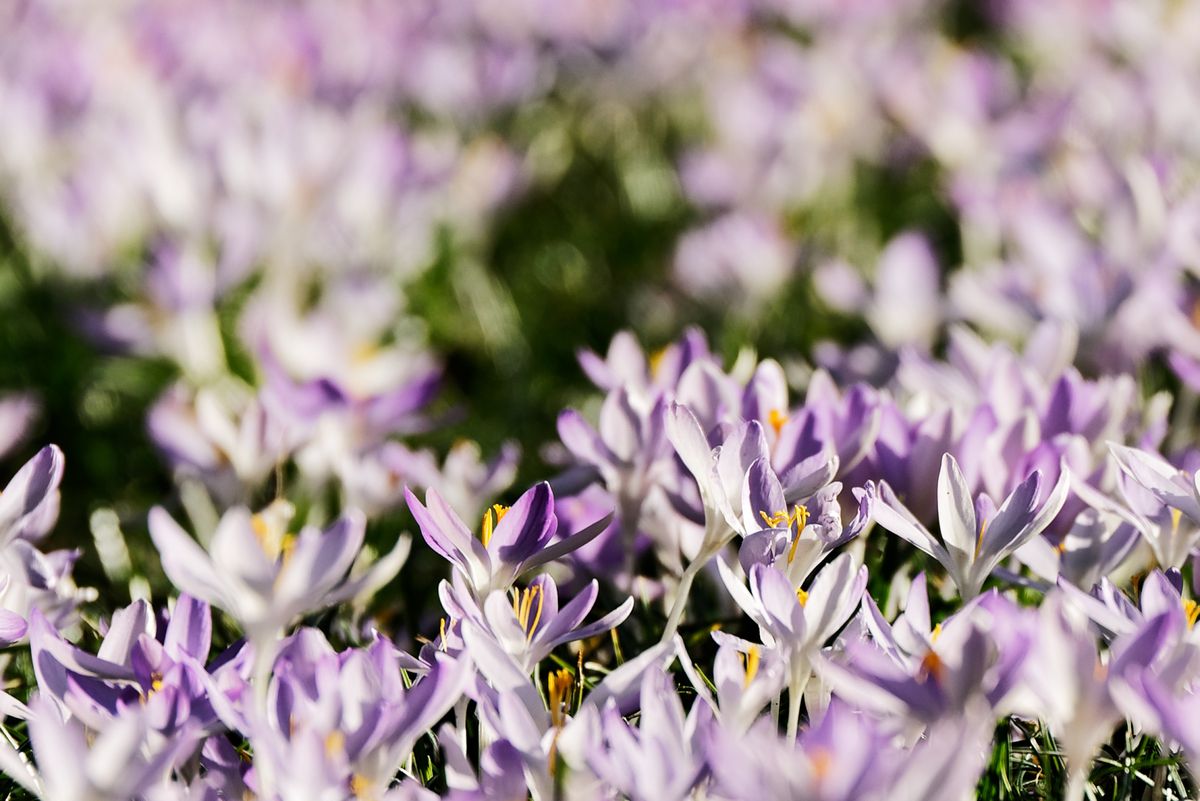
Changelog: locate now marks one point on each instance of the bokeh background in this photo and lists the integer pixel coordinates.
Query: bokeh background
(248, 246)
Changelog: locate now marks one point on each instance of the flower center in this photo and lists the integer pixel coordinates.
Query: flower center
(797, 518)
(750, 662)
(523, 608)
(491, 519)
(1191, 610)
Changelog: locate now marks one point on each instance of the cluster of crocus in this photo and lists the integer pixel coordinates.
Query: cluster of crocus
(727, 595)
(961, 548)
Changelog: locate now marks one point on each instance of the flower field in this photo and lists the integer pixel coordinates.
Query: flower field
(731, 400)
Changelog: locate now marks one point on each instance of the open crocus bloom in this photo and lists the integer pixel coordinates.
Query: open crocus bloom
(974, 535)
(512, 541)
(264, 576)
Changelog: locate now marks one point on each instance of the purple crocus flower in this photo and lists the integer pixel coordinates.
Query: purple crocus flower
(263, 576)
(514, 540)
(117, 764)
(975, 536)
(661, 758)
(795, 622)
(977, 655)
(528, 623)
(1163, 502)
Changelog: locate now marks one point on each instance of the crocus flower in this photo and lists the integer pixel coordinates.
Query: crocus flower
(974, 535)
(528, 623)
(513, 541)
(1163, 502)
(261, 575)
(661, 758)
(796, 622)
(1070, 682)
(977, 656)
(745, 682)
(115, 765)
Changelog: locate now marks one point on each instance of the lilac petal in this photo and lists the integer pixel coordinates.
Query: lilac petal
(320, 559)
(582, 440)
(558, 629)
(834, 594)
(569, 545)
(12, 628)
(184, 561)
(741, 596)
(1010, 524)
(190, 630)
(526, 527)
(622, 685)
(762, 495)
(956, 512)
(683, 430)
(604, 624)
(29, 503)
(763, 547)
(237, 551)
(777, 599)
(1159, 477)
(445, 534)
(127, 625)
(893, 516)
(620, 425)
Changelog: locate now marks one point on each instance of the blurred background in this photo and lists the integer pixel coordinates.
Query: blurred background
(329, 250)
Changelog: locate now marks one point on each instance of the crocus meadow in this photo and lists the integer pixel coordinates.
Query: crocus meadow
(647, 399)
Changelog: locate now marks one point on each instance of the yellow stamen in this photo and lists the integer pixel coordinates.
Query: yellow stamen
(559, 685)
(751, 666)
(937, 632)
(778, 419)
(442, 634)
(335, 743)
(797, 518)
(656, 360)
(1176, 516)
(802, 597)
(931, 665)
(1191, 610)
(822, 763)
(979, 541)
(156, 682)
(801, 520)
(361, 786)
(491, 519)
(363, 353)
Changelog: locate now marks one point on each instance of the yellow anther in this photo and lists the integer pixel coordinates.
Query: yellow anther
(937, 632)
(335, 743)
(559, 685)
(802, 597)
(442, 634)
(797, 518)
(270, 529)
(822, 763)
(1191, 610)
(656, 360)
(1176, 516)
(491, 519)
(361, 786)
(364, 352)
(931, 666)
(800, 517)
(778, 419)
(979, 540)
(156, 681)
(751, 660)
